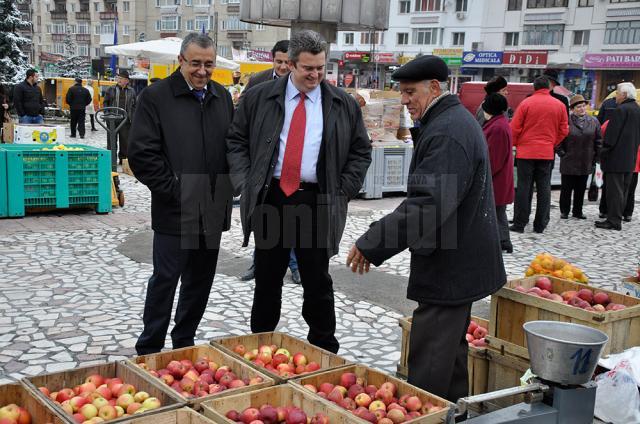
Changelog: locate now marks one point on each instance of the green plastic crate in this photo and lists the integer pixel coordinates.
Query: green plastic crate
(37, 178)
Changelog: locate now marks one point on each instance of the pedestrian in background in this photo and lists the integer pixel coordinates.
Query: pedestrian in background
(619, 154)
(178, 151)
(78, 98)
(28, 100)
(123, 96)
(539, 125)
(497, 132)
(553, 77)
(91, 110)
(578, 154)
(498, 85)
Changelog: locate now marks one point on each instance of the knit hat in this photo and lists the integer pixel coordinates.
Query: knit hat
(495, 104)
(495, 84)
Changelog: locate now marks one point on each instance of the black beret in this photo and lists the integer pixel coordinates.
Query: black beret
(422, 68)
(495, 104)
(495, 84)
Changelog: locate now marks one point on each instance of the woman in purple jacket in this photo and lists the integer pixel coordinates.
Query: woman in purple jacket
(499, 140)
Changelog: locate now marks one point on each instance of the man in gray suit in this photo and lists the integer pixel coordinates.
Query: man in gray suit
(280, 68)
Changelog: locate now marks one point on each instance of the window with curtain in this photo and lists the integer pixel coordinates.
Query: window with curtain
(542, 35)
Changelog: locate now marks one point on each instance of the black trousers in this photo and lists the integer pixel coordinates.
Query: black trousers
(631, 197)
(77, 120)
(123, 140)
(532, 171)
(617, 188)
(576, 185)
(438, 350)
(93, 121)
(277, 231)
(503, 224)
(195, 268)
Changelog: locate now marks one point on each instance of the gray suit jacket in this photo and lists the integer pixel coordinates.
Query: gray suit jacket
(259, 78)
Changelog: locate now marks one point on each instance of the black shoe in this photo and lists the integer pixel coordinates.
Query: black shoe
(564, 216)
(81, 136)
(250, 275)
(94, 129)
(72, 136)
(581, 216)
(516, 229)
(602, 215)
(295, 276)
(626, 218)
(538, 230)
(606, 225)
(506, 246)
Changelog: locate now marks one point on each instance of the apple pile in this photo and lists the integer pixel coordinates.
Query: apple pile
(268, 414)
(378, 405)
(200, 378)
(101, 399)
(277, 360)
(476, 334)
(14, 414)
(584, 298)
(547, 264)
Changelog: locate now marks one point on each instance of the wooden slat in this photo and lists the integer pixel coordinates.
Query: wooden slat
(160, 360)
(282, 395)
(74, 377)
(40, 411)
(179, 416)
(326, 359)
(505, 371)
(371, 376)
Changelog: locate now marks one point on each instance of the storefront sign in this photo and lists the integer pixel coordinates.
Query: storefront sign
(482, 58)
(527, 59)
(384, 58)
(402, 59)
(612, 61)
(357, 57)
(452, 57)
(260, 55)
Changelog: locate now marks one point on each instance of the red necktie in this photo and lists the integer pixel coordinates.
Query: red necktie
(290, 176)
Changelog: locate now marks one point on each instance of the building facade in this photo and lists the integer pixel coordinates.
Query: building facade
(593, 43)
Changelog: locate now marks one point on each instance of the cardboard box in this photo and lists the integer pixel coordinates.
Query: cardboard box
(631, 286)
(7, 132)
(38, 134)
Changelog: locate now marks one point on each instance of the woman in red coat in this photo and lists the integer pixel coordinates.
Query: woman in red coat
(499, 140)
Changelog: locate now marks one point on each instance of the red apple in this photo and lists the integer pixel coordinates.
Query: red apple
(543, 283)
(348, 404)
(312, 366)
(268, 414)
(249, 415)
(413, 403)
(586, 295)
(335, 396)
(299, 359)
(233, 415)
(601, 298)
(326, 388)
(96, 379)
(389, 386)
(177, 369)
(201, 365)
(348, 379)
(240, 349)
(296, 416)
(480, 332)
(472, 326)
(384, 395)
(363, 399)
(568, 295)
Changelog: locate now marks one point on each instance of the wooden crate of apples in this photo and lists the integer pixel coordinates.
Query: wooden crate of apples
(547, 264)
(109, 392)
(199, 373)
(555, 299)
(282, 356)
(374, 396)
(283, 404)
(178, 416)
(19, 406)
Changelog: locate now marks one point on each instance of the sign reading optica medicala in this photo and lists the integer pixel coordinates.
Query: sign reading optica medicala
(612, 61)
(480, 58)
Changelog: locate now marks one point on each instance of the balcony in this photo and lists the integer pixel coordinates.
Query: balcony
(168, 34)
(233, 9)
(23, 7)
(57, 37)
(83, 16)
(108, 16)
(58, 15)
(83, 37)
(237, 34)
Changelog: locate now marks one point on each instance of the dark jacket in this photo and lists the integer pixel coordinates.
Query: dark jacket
(621, 139)
(259, 78)
(606, 109)
(253, 143)
(579, 151)
(448, 220)
(562, 98)
(28, 100)
(177, 149)
(112, 99)
(78, 97)
(500, 143)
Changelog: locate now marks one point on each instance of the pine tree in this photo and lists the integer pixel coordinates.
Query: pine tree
(13, 63)
(72, 65)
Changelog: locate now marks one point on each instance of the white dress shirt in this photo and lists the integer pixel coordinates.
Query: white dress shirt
(312, 134)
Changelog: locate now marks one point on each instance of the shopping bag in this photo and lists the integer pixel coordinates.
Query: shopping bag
(592, 194)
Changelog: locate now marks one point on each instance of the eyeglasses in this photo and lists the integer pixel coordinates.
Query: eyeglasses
(196, 64)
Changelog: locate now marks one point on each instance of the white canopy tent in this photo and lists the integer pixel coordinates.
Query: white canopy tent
(164, 50)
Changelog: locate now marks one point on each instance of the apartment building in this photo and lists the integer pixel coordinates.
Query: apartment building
(593, 43)
(92, 24)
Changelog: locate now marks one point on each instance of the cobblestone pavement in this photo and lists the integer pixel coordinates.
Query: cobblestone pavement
(69, 298)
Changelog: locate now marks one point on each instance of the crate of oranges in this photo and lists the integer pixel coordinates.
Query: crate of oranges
(547, 264)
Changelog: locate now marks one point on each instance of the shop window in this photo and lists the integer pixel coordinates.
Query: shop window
(403, 38)
(580, 38)
(585, 3)
(542, 35)
(461, 5)
(623, 32)
(405, 6)
(538, 4)
(457, 39)
(348, 38)
(511, 38)
(429, 5)
(422, 36)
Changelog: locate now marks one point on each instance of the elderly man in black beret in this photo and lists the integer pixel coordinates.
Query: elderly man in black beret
(448, 222)
(497, 85)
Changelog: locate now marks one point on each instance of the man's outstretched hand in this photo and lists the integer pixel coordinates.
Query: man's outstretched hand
(357, 261)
